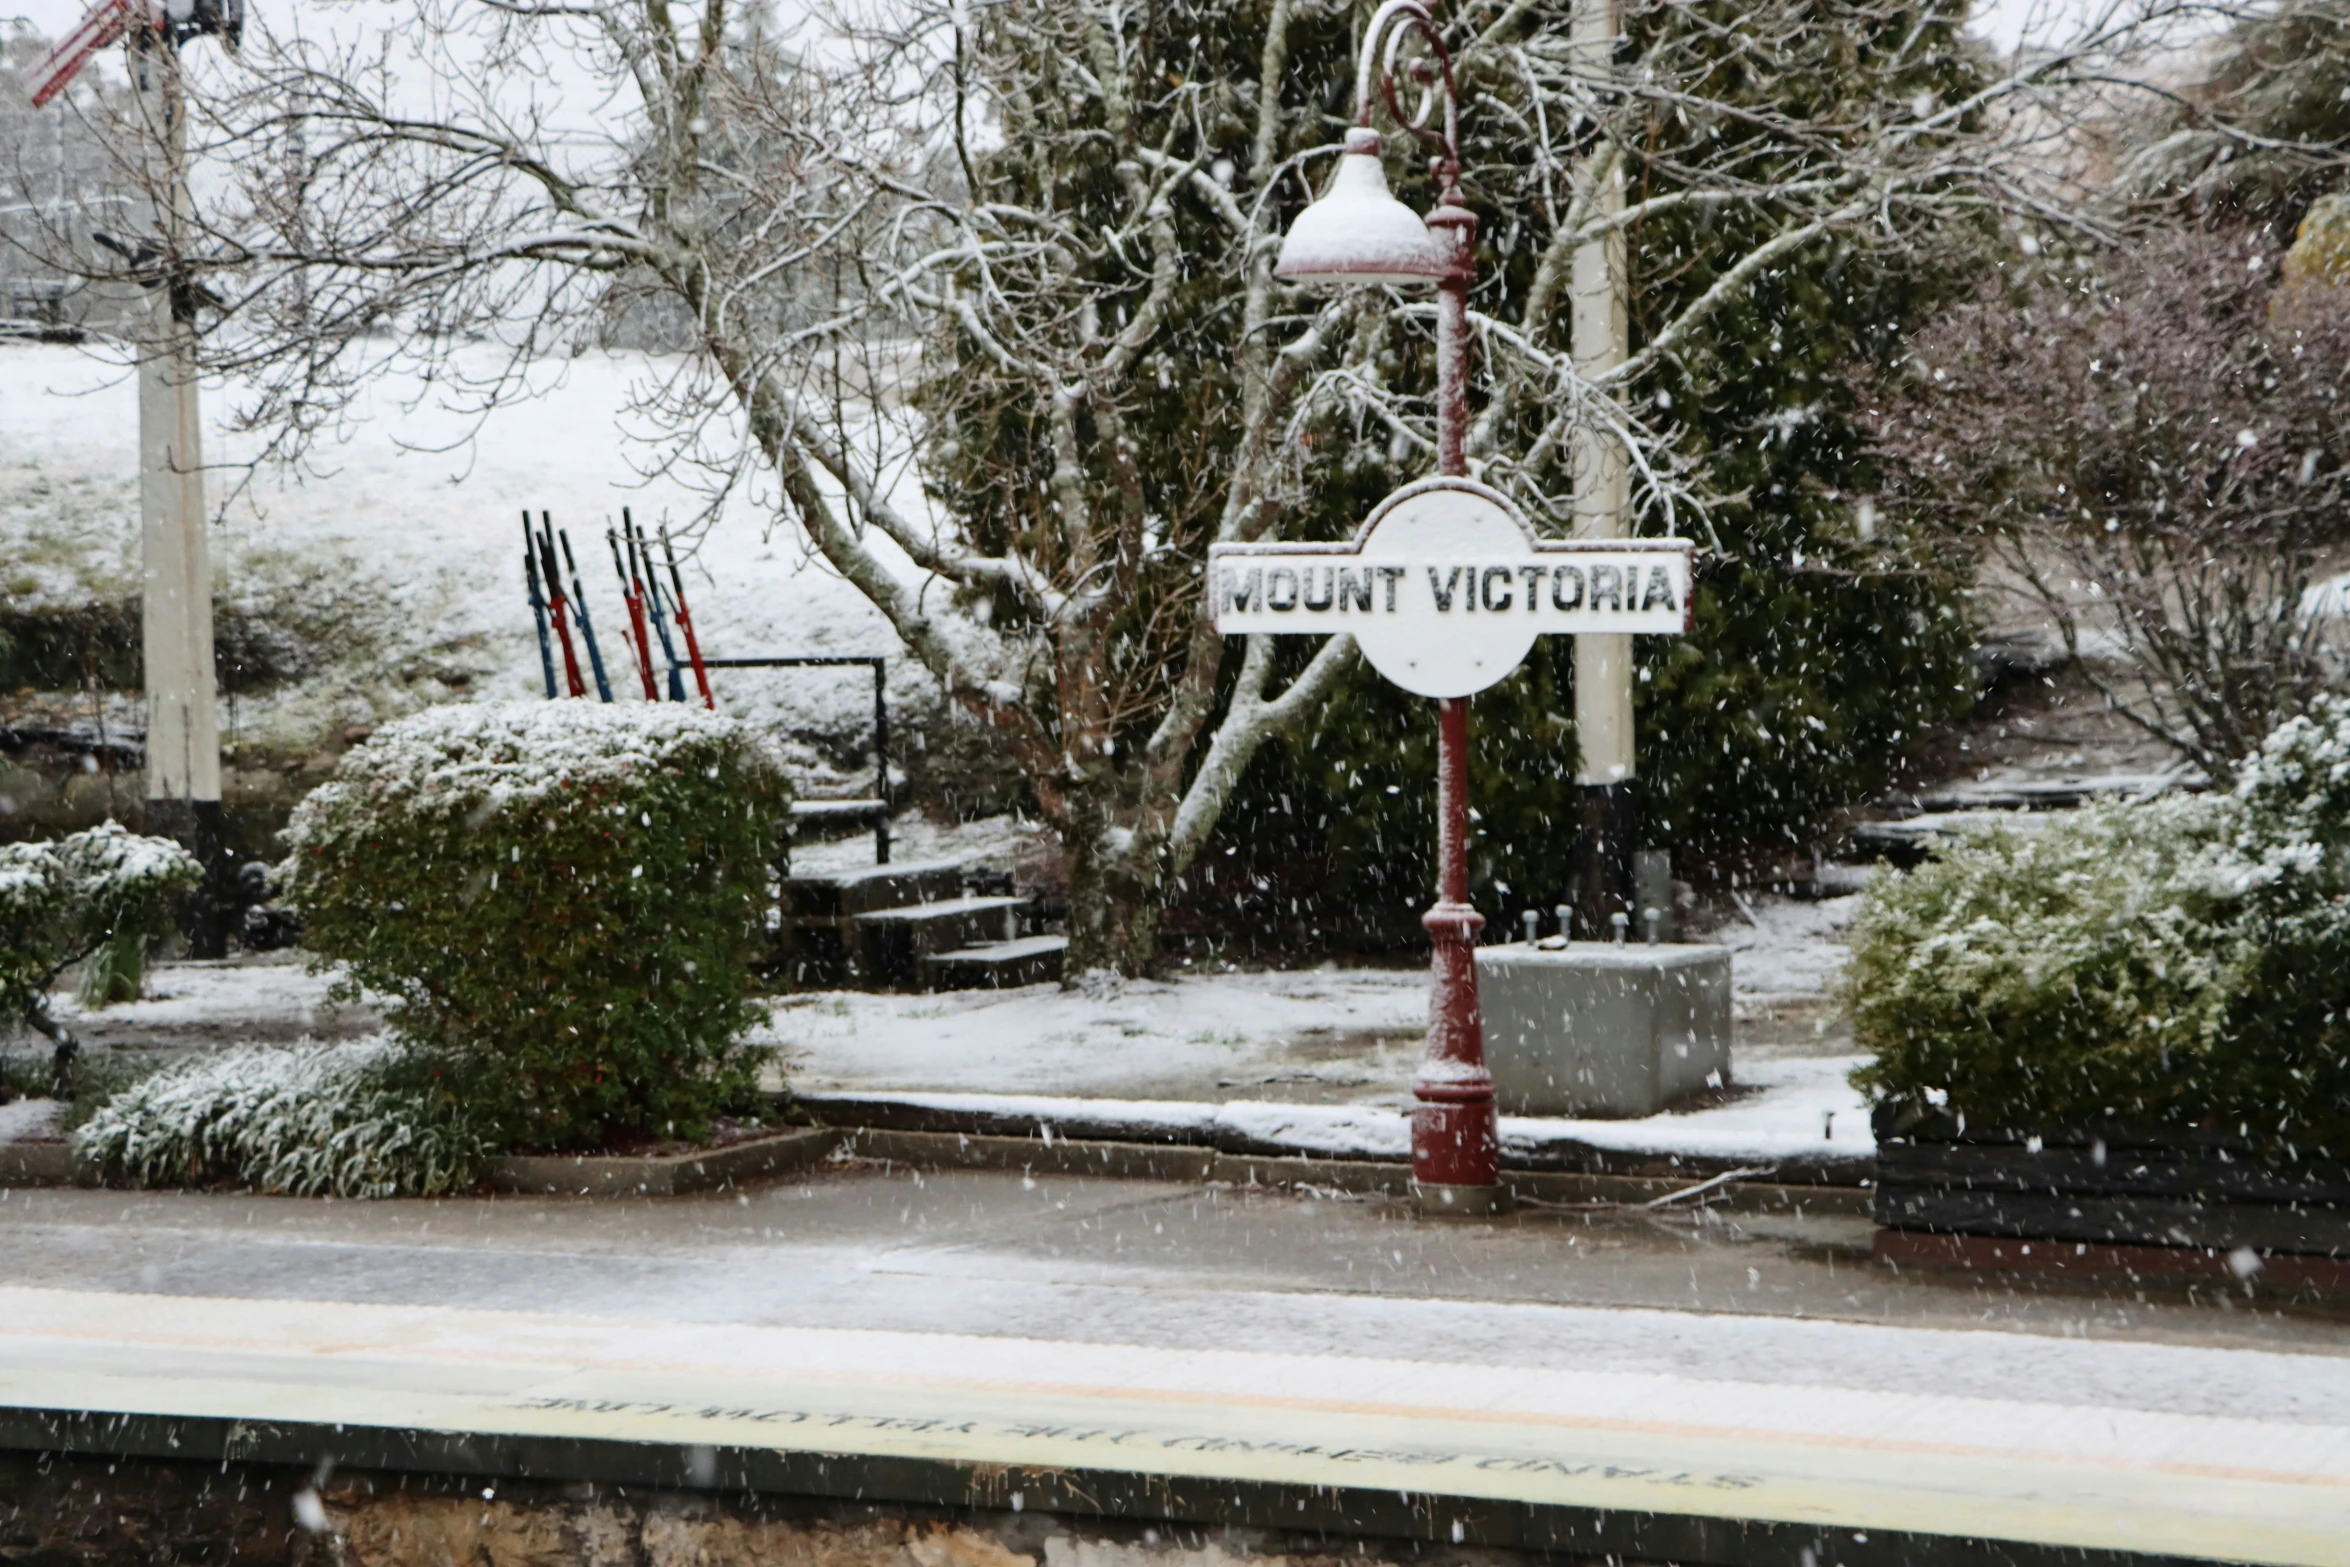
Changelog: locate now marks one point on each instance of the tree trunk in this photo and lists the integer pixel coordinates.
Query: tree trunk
(1115, 888)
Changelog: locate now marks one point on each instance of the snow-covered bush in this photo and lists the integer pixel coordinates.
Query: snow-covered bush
(561, 900)
(2179, 963)
(362, 1119)
(61, 902)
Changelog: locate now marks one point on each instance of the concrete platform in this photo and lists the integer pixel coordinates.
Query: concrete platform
(1505, 1457)
(1607, 1382)
(1465, 1455)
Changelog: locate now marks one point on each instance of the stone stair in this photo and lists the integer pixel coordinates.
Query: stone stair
(996, 965)
(907, 927)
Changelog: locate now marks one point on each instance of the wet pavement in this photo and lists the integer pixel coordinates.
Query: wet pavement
(1104, 1260)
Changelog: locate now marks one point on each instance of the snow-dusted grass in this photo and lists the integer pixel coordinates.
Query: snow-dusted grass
(308, 1120)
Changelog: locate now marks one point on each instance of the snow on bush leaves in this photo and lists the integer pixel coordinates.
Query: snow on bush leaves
(561, 900)
(309, 1120)
(2180, 963)
(61, 901)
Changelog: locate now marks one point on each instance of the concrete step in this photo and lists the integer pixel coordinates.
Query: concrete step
(823, 821)
(888, 946)
(830, 810)
(836, 895)
(996, 965)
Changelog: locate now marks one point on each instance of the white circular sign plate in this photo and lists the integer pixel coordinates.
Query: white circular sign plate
(1419, 529)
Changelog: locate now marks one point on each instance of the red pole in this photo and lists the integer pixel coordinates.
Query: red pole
(693, 648)
(632, 594)
(555, 602)
(1456, 1145)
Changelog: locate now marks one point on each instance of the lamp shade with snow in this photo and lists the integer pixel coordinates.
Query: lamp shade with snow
(1358, 233)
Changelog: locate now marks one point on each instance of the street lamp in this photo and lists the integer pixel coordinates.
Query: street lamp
(1359, 234)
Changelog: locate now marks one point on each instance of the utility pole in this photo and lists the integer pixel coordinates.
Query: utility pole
(175, 618)
(1609, 803)
(183, 721)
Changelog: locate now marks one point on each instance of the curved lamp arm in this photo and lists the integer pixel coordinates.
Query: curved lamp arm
(1392, 26)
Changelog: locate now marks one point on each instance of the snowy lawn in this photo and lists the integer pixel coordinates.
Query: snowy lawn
(263, 999)
(1321, 1059)
(419, 524)
(1792, 950)
(1189, 1037)
(1800, 1109)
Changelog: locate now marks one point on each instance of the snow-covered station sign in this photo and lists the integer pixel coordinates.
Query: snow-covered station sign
(1446, 586)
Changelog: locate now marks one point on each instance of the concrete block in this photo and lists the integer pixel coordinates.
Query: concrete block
(1590, 1028)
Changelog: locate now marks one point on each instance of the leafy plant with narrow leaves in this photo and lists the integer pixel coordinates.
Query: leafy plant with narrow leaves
(359, 1119)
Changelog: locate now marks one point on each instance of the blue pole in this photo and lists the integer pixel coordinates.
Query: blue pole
(538, 606)
(587, 624)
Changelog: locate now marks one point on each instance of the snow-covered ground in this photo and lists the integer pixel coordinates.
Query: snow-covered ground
(1191, 1035)
(411, 524)
(1799, 1110)
(1318, 1059)
(1789, 950)
(271, 1000)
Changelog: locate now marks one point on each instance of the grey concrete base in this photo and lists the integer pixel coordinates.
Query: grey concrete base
(43, 1164)
(1589, 1028)
(588, 1175)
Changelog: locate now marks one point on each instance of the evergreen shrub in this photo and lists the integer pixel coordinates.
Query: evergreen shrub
(2179, 964)
(562, 901)
(100, 890)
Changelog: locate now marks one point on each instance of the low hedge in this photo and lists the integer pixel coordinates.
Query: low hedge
(2179, 964)
(562, 901)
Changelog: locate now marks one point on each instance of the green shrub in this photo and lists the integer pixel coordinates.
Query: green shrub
(560, 899)
(62, 902)
(362, 1119)
(2181, 964)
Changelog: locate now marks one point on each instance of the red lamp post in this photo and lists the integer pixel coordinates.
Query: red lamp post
(1357, 234)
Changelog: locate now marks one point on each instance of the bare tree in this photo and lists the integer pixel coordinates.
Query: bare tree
(981, 294)
(2155, 441)
(2267, 126)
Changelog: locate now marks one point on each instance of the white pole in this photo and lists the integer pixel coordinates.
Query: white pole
(183, 725)
(1601, 333)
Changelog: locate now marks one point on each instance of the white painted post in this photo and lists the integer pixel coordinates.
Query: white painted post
(180, 680)
(1601, 336)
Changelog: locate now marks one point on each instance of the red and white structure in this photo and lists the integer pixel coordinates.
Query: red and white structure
(1446, 586)
(109, 20)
